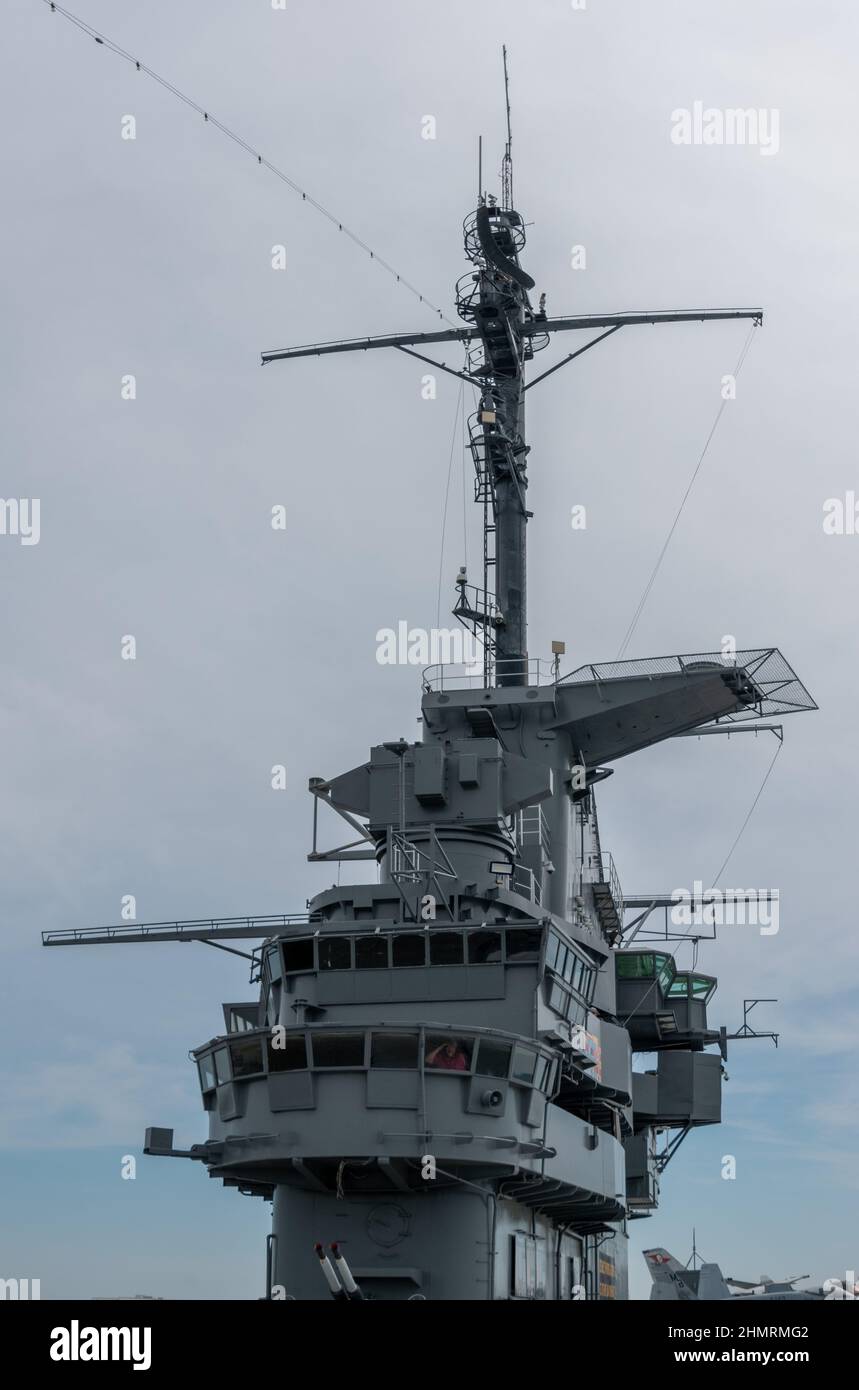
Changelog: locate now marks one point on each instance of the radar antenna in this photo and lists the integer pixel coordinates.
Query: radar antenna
(507, 164)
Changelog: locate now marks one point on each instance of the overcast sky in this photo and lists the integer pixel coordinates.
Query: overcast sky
(153, 257)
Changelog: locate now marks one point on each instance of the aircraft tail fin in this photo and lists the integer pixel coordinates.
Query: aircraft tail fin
(711, 1284)
(670, 1280)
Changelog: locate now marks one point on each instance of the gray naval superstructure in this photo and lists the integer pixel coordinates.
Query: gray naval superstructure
(434, 1072)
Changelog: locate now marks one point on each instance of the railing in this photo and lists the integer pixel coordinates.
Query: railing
(532, 671)
(765, 682)
(600, 868)
(525, 881)
(532, 828)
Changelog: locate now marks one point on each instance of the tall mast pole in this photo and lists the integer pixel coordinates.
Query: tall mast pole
(494, 237)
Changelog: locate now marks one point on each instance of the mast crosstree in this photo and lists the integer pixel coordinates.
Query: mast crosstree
(502, 334)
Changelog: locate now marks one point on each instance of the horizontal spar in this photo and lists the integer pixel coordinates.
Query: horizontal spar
(200, 929)
(527, 330)
(644, 316)
(390, 340)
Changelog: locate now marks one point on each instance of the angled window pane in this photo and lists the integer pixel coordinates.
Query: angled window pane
(558, 997)
(206, 1068)
(222, 1065)
(493, 1058)
(298, 955)
(523, 1064)
(552, 947)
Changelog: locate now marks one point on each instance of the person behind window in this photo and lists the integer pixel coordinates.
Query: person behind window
(449, 1055)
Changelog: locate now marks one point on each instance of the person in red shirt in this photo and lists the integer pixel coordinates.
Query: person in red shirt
(449, 1056)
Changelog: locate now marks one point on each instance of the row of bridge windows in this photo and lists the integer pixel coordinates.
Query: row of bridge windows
(440, 946)
(280, 1050)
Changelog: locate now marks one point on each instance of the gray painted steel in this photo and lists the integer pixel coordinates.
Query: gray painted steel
(435, 1072)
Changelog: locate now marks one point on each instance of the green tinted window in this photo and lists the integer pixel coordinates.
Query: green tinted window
(665, 969)
(634, 965)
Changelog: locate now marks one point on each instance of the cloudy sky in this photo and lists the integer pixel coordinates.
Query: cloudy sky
(152, 257)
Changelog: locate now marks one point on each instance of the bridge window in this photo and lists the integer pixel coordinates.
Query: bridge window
(634, 965)
(394, 1051)
(483, 947)
(206, 1068)
(335, 953)
(222, 1065)
(409, 949)
(291, 1056)
(665, 969)
(523, 1064)
(447, 1053)
(524, 944)
(446, 948)
(246, 1057)
(298, 955)
(338, 1049)
(552, 946)
(371, 953)
(493, 1058)
(540, 1073)
(560, 999)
